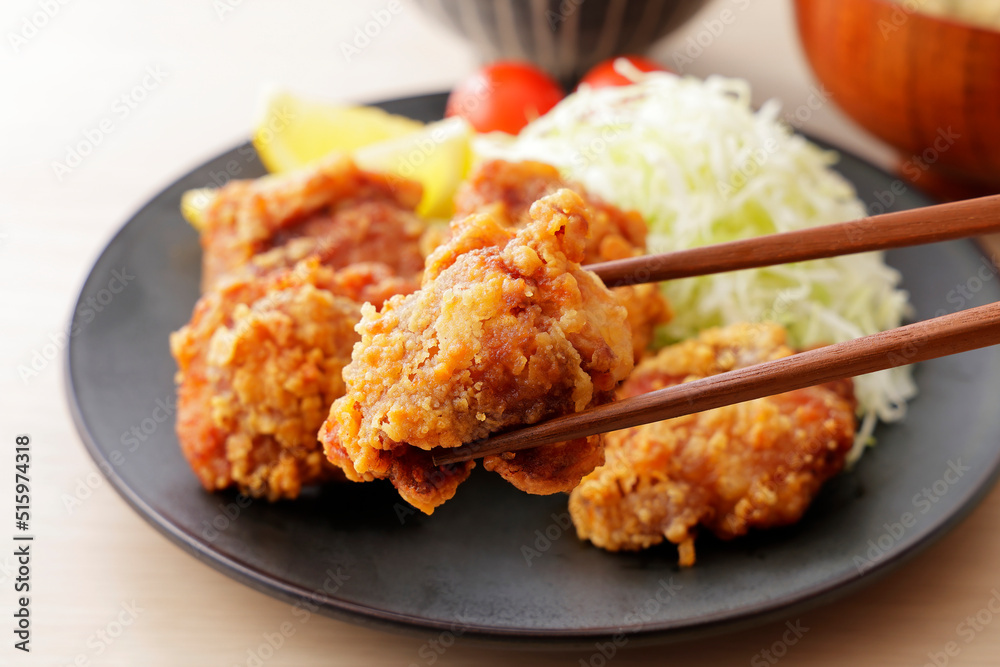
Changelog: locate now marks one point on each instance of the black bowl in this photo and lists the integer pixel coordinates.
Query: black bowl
(563, 37)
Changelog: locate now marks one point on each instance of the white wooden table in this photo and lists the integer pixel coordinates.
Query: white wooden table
(160, 86)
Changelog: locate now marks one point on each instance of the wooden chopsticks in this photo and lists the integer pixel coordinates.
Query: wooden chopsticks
(944, 222)
(938, 337)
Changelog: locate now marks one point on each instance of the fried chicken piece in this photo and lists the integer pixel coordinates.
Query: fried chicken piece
(287, 261)
(511, 188)
(260, 363)
(333, 211)
(753, 465)
(506, 329)
(515, 186)
(409, 469)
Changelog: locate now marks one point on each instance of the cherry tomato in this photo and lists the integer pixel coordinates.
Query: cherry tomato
(504, 96)
(604, 73)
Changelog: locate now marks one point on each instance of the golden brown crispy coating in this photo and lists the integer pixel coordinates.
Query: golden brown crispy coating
(287, 262)
(510, 188)
(506, 329)
(409, 469)
(260, 363)
(555, 468)
(332, 210)
(515, 186)
(753, 465)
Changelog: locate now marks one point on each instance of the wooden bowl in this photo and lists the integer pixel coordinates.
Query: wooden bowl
(927, 85)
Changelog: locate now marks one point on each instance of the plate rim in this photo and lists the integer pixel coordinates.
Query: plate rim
(687, 629)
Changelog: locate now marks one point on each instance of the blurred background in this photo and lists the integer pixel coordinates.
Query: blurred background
(158, 87)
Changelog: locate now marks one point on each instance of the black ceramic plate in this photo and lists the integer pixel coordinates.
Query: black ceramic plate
(495, 563)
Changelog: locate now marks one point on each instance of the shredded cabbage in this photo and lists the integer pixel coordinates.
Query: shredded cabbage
(696, 161)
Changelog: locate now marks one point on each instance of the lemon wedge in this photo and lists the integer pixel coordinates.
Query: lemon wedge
(294, 131)
(193, 205)
(438, 156)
